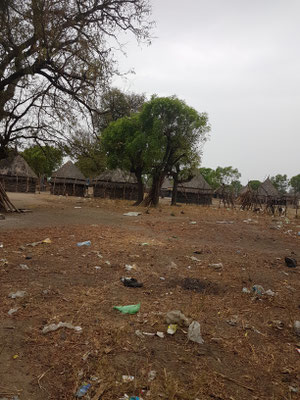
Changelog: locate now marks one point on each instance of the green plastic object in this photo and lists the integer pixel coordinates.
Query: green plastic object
(131, 309)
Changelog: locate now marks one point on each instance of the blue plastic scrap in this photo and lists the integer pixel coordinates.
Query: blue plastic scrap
(82, 391)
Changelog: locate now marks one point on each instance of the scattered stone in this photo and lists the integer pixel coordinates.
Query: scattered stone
(193, 223)
(2, 216)
(162, 278)
(177, 317)
(195, 259)
(225, 222)
(19, 293)
(172, 265)
(55, 327)
(194, 333)
(12, 311)
(290, 262)
(297, 327)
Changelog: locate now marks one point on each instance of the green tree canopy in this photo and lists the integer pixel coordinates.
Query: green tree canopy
(227, 176)
(254, 184)
(125, 144)
(43, 159)
(281, 182)
(295, 183)
(173, 130)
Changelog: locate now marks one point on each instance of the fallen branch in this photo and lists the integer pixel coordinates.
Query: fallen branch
(234, 381)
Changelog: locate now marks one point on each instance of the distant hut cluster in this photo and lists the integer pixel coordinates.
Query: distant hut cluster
(68, 180)
(17, 176)
(196, 191)
(116, 184)
(265, 196)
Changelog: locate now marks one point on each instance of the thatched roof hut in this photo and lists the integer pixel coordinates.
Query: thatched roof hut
(196, 191)
(16, 175)
(116, 184)
(68, 180)
(166, 188)
(267, 191)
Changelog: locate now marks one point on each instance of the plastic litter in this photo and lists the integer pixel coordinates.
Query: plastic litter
(139, 334)
(245, 290)
(193, 223)
(86, 243)
(160, 334)
(3, 261)
(55, 327)
(129, 267)
(290, 262)
(24, 266)
(194, 333)
(130, 309)
(152, 375)
(177, 317)
(216, 266)
(258, 289)
(82, 391)
(12, 311)
(19, 293)
(172, 329)
(270, 292)
(33, 244)
(127, 378)
(131, 282)
(297, 327)
(132, 214)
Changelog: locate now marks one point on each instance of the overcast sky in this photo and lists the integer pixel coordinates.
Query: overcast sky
(237, 60)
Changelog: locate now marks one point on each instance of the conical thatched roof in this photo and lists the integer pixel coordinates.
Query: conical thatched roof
(116, 176)
(167, 184)
(267, 189)
(198, 183)
(16, 166)
(68, 172)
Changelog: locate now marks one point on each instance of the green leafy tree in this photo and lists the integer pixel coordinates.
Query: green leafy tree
(87, 152)
(125, 144)
(173, 130)
(295, 183)
(281, 183)
(226, 175)
(254, 184)
(43, 159)
(222, 176)
(210, 176)
(184, 171)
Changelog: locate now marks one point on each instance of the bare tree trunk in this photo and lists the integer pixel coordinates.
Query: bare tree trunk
(174, 191)
(152, 198)
(140, 188)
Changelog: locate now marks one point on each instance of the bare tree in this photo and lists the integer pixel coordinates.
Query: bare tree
(55, 59)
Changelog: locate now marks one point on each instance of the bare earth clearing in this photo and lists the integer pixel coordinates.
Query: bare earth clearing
(247, 354)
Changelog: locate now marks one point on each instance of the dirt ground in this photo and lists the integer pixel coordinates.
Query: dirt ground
(250, 348)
